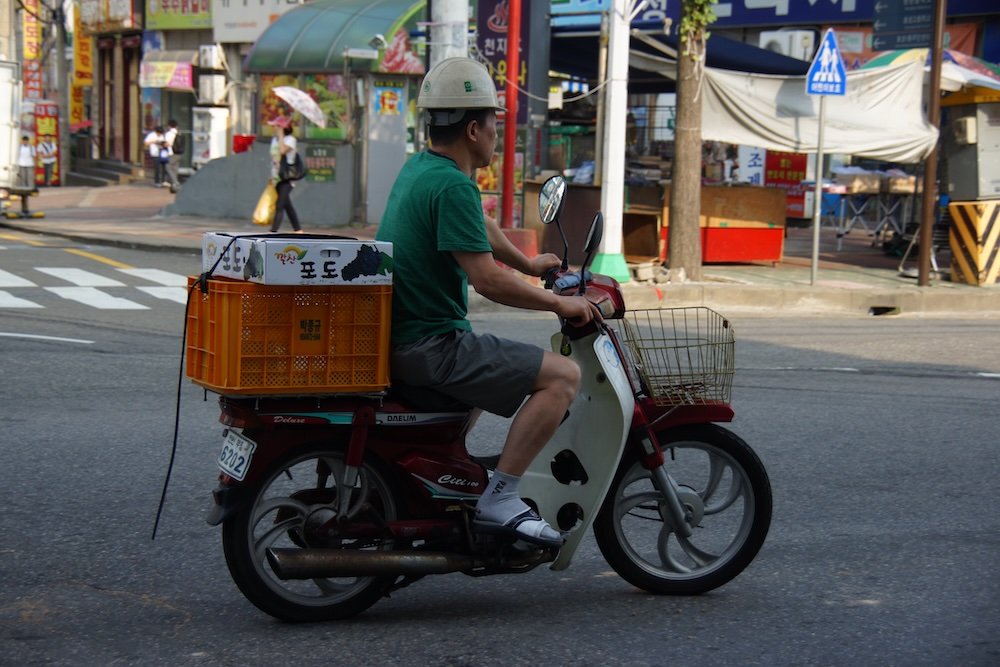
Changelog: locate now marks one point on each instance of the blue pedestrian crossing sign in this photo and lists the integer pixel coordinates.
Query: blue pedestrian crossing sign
(827, 75)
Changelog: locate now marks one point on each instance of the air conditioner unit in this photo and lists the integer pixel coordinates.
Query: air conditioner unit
(211, 88)
(210, 56)
(799, 44)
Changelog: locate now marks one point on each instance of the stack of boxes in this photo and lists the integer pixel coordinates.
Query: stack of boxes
(290, 314)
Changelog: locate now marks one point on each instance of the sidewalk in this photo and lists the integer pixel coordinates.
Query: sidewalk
(858, 279)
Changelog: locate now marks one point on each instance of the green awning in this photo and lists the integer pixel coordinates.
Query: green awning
(313, 37)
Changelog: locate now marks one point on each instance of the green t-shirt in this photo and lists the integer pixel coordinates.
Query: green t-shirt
(433, 210)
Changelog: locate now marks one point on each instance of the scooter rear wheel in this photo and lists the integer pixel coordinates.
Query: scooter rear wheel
(292, 507)
(726, 494)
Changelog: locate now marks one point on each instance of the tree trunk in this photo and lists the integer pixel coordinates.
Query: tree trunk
(684, 259)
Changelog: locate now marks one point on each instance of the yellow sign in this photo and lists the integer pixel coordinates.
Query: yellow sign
(31, 30)
(77, 119)
(83, 54)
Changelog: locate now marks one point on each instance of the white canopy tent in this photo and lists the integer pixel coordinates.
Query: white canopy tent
(881, 116)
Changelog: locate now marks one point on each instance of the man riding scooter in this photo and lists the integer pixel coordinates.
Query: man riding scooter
(442, 243)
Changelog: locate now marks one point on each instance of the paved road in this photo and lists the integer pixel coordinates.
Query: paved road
(878, 435)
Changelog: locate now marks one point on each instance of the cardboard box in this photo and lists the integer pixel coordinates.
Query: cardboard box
(901, 185)
(858, 183)
(297, 259)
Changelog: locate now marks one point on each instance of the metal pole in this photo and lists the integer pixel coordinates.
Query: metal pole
(817, 204)
(62, 76)
(927, 207)
(510, 116)
(602, 75)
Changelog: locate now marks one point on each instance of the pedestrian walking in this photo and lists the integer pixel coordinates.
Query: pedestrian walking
(283, 159)
(26, 164)
(48, 152)
(155, 143)
(175, 145)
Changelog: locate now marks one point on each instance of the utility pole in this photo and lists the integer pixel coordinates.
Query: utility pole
(61, 75)
(928, 210)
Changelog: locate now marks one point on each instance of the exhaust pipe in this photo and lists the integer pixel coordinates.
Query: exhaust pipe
(330, 563)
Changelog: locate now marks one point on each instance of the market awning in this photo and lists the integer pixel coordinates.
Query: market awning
(173, 70)
(314, 37)
(652, 57)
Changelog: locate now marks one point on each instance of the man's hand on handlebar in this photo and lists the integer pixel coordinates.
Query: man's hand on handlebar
(539, 264)
(577, 310)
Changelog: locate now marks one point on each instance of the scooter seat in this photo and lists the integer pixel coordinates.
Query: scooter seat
(427, 400)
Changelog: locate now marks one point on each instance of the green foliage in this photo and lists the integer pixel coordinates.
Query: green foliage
(696, 16)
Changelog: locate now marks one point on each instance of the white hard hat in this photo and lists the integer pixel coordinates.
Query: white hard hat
(453, 86)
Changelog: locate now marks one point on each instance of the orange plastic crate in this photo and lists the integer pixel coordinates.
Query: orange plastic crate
(246, 338)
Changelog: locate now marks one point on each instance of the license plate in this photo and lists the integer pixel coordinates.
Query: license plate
(236, 454)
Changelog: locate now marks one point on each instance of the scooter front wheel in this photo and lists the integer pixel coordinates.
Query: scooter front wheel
(726, 495)
(296, 506)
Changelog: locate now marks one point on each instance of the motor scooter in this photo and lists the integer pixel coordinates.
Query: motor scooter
(328, 503)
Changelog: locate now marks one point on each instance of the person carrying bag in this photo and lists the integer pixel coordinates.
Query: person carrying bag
(287, 165)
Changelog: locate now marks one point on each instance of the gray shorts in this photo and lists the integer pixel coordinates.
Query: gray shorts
(483, 371)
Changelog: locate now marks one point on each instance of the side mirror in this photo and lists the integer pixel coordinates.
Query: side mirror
(594, 237)
(551, 199)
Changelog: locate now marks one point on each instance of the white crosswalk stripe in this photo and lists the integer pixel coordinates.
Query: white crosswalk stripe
(8, 300)
(79, 277)
(91, 296)
(90, 288)
(10, 280)
(158, 276)
(178, 294)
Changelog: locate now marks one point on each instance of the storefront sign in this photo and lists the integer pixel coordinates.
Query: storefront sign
(246, 20)
(178, 14)
(321, 163)
(747, 13)
(166, 74)
(491, 39)
(77, 109)
(47, 139)
(856, 43)
(787, 171)
(83, 54)
(751, 165)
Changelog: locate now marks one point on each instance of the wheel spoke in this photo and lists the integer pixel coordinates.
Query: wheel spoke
(663, 550)
(733, 493)
(267, 539)
(628, 503)
(702, 558)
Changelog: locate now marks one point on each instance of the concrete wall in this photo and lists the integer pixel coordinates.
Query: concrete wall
(230, 187)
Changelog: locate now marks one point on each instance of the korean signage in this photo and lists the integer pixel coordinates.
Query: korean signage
(745, 13)
(178, 14)
(246, 20)
(77, 109)
(856, 43)
(166, 74)
(31, 44)
(321, 163)
(787, 171)
(491, 39)
(751, 164)
(83, 54)
(903, 24)
(47, 142)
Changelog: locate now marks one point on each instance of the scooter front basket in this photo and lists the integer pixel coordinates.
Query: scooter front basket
(684, 356)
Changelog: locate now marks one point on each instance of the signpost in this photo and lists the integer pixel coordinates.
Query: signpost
(826, 76)
(902, 24)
